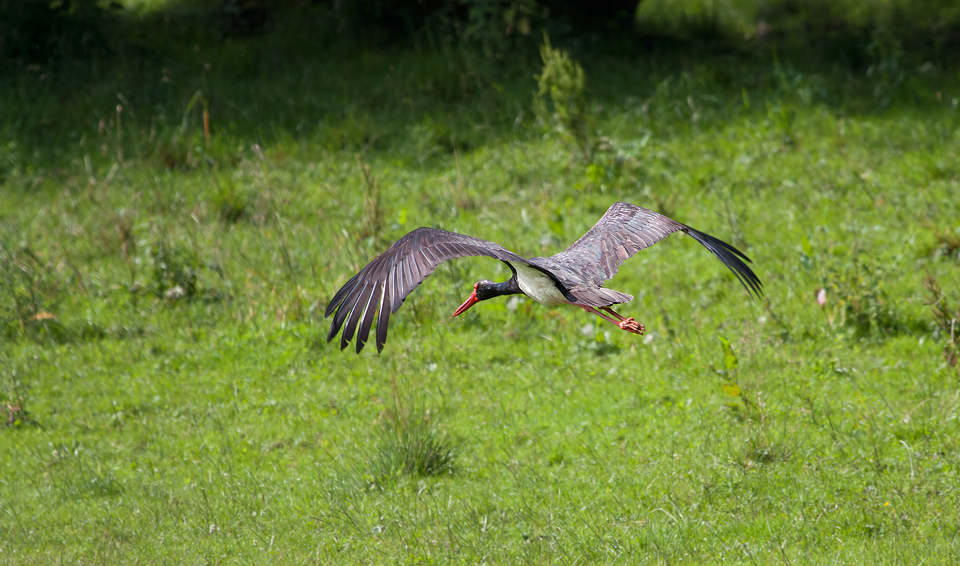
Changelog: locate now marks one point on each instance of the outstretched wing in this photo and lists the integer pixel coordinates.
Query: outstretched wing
(626, 229)
(385, 282)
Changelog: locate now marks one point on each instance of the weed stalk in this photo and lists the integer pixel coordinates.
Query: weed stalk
(373, 208)
(119, 134)
(288, 267)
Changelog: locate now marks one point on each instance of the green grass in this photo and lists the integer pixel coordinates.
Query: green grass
(219, 427)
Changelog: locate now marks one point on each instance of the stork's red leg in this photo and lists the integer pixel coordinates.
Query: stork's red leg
(627, 324)
(615, 314)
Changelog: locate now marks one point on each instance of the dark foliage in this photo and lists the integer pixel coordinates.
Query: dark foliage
(44, 31)
(39, 31)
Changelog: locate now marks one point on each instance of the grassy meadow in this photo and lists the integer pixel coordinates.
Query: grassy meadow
(176, 214)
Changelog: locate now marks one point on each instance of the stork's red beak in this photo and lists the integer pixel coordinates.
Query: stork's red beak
(471, 300)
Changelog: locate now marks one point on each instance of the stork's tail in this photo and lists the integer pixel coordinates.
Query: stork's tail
(598, 296)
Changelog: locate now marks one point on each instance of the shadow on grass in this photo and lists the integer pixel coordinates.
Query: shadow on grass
(292, 73)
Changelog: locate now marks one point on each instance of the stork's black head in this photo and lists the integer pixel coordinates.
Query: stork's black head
(486, 289)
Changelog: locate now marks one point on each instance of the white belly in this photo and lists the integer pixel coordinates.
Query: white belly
(538, 286)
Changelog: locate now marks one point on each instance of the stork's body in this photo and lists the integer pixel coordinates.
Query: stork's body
(537, 285)
(574, 276)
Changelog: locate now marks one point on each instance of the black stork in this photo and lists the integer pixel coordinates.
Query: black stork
(574, 276)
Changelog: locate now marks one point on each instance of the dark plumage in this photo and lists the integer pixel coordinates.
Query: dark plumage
(577, 273)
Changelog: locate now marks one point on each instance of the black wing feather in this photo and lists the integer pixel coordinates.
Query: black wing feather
(367, 321)
(732, 258)
(355, 312)
(340, 296)
(385, 282)
(384, 320)
(350, 300)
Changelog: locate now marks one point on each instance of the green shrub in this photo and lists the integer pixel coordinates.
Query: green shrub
(560, 97)
(853, 295)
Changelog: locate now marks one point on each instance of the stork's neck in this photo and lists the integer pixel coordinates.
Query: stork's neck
(508, 287)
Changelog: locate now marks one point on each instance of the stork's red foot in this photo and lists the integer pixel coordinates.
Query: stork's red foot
(631, 325)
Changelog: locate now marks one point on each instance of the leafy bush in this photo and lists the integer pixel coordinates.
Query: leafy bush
(852, 294)
(862, 302)
(489, 24)
(560, 97)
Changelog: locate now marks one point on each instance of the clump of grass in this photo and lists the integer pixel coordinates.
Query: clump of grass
(232, 205)
(948, 244)
(862, 302)
(17, 283)
(412, 444)
(175, 270)
(353, 131)
(785, 117)
(563, 82)
(759, 450)
(189, 145)
(14, 410)
(372, 204)
(289, 270)
(946, 320)
(431, 137)
(128, 249)
(26, 295)
(16, 416)
(78, 472)
(853, 294)
(9, 161)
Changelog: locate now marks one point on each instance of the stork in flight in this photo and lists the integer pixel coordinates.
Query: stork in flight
(573, 277)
